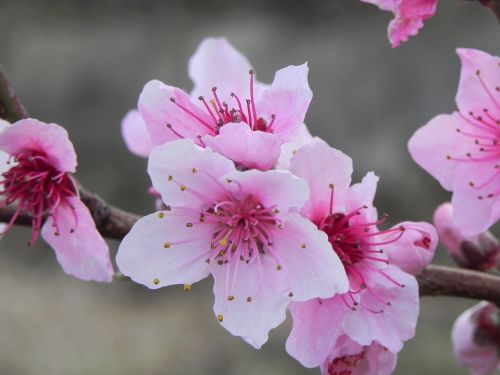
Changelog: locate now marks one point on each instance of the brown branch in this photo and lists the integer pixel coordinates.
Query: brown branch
(11, 108)
(115, 223)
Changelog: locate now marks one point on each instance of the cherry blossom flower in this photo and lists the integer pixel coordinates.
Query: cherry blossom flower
(241, 227)
(135, 134)
(476, 339)
(227, 103)
(409, 17)
(37, 177)
(480, 251)
(461, 149)
(350, 358)
(382, 303)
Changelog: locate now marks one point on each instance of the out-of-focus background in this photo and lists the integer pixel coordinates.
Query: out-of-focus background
(83, 64)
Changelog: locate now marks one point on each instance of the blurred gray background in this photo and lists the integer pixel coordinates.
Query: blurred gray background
(82, 64)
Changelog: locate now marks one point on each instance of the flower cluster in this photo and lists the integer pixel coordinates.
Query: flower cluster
(251, 198)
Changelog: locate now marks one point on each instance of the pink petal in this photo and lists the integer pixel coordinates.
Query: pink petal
(251, 320)
(216, 63)
(415, 249)
(432, 144)
(79, 248)
(360, 195)
(34, 135)
(397, 323)
(301, 138)
(477, 92)
(158, 111)
(481, 360)
(316, 326)
(473, 211)
(354, 359)
(288, 98)
(135, 134)
(186, 174)
(162, 250)
(314, 269)
(253, 149)
(389, 5)
(322, 166)
(278, 190)
(409, 19)
(4, 157)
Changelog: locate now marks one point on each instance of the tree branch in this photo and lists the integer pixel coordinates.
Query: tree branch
(113, 222)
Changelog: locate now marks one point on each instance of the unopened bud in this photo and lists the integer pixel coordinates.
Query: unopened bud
(478, 252)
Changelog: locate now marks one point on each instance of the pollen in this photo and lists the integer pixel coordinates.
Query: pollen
(156, 281)
(223, 242)
(220, 318)
(187, 287)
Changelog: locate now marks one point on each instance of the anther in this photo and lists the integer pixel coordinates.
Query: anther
(230, 298)
(220, 318)
(189, 225)
(156, 281)
(187, 287)
(160, 215)
(249, 299)
(167, 245)
(183, 187)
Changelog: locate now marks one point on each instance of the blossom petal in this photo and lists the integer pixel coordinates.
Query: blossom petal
(166, 120)
(301, 138)
(253, 149)
(4, 156)
(280, 191)
(481, 360)
(435, 146)
(323, 167)
(362, 195)
(135, 134)
(187, 174)
(313, 268)
(415, 249)
(474, 210)
(79, 248)
(316, 326)
(249, 306)
(479, 82)
(216, 63)
(33, 135)
(161, 249)
(397, 321)
(287, 98)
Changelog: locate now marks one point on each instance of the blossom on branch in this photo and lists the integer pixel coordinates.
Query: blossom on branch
(241, 227)
(226, 104)
(409, 17)
(36, 176)
(478, 252)
(461, 150)
(476, 339)
(382, 302)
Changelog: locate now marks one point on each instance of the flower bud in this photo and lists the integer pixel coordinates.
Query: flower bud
(478, 252)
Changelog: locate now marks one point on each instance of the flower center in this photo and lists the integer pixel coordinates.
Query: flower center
(37, 187)
(222, 113)
(484, 140)
(345, 365)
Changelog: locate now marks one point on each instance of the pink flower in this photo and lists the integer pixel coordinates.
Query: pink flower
(136, 134)
(476, 339)
(409, 17)
(479, 252)
(241, 227)
(37, 177)
(382, 302)
(461, 150)
(227, 103)
(350, 358)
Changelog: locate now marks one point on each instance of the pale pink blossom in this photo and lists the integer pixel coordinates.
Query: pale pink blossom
(409, 17)
(135, 134)
(461, 150)
(37, 177)
(241, 227)
(382, 302)
(350, 358)
(228, 110)
(476, 339)
(480, 251)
